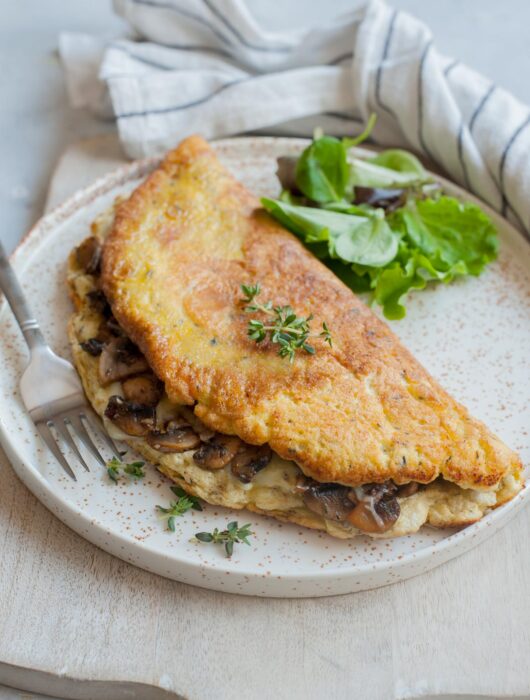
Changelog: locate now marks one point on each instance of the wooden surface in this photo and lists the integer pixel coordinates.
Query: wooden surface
(70, 610)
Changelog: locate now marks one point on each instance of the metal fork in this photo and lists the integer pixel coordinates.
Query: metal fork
(50, 387)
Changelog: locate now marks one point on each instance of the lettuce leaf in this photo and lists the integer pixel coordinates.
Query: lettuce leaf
(413, 271)
(441, 239)
(448, 231)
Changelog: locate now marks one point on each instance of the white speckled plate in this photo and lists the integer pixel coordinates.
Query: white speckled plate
(473, 336)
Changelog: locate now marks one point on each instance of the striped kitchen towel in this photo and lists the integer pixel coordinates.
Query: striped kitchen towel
(206, 66)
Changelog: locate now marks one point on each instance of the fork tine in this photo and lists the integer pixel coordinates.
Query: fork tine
(47, 435)
(82, 433)
(96, 427)
(62, 428)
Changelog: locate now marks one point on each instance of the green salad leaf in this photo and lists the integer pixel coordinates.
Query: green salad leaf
(365, 240)
(326, 173)
(322, 171)
(420, 235)
(441, 239)
(411, 270)
(392, 168)
(400, 161)
(448, 232)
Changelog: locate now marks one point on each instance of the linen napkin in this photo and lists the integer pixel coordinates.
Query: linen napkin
(206, 66)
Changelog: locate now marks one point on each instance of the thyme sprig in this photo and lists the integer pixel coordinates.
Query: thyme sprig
(133, 469)
(232, 535)
(177, 508)
(289, 331)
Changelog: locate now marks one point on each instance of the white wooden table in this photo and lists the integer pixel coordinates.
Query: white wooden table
(73, 618)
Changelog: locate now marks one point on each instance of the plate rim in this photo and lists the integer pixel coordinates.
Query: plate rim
(33, 478)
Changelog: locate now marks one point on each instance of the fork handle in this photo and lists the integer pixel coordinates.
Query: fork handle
(12, 290)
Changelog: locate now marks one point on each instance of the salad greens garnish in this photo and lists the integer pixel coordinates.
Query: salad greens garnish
(232, 535)
(380, 223)
(289, 331)
(183, 504)
(322, 172)
(363, 237)
(133, 469)
(392, 168)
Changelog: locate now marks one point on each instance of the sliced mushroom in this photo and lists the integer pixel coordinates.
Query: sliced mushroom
(133, 418)
(145, 388)
(88, 255)
(249, 461)
(109, 329)
(375, 491)
(218, 452)
(98, 302)
(114, 327)
(376, 507)
(120, 359)
(373, 517)
(174, 438)
(196, 423)
(408, 489)
(328, 500)
(93, 346)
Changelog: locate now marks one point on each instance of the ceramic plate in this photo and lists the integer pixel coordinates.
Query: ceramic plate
(473, 336)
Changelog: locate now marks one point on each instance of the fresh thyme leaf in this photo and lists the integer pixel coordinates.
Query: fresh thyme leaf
(204, 536)
(180, 493)
(113, 467)
(182, 505)
(250, 291)
(326, 335)
(232, 535)
(135, 469)
(132, 469)
(286, 329)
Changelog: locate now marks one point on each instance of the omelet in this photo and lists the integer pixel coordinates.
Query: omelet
(355, 438)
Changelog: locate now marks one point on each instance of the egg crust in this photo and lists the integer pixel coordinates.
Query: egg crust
(362, 411)
(273, 490)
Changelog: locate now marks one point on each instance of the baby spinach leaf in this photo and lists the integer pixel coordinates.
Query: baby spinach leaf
(322, 173)
(365, 240)
(322, 170)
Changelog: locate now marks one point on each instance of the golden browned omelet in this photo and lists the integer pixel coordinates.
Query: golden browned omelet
(362, 411)
(362, 439)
